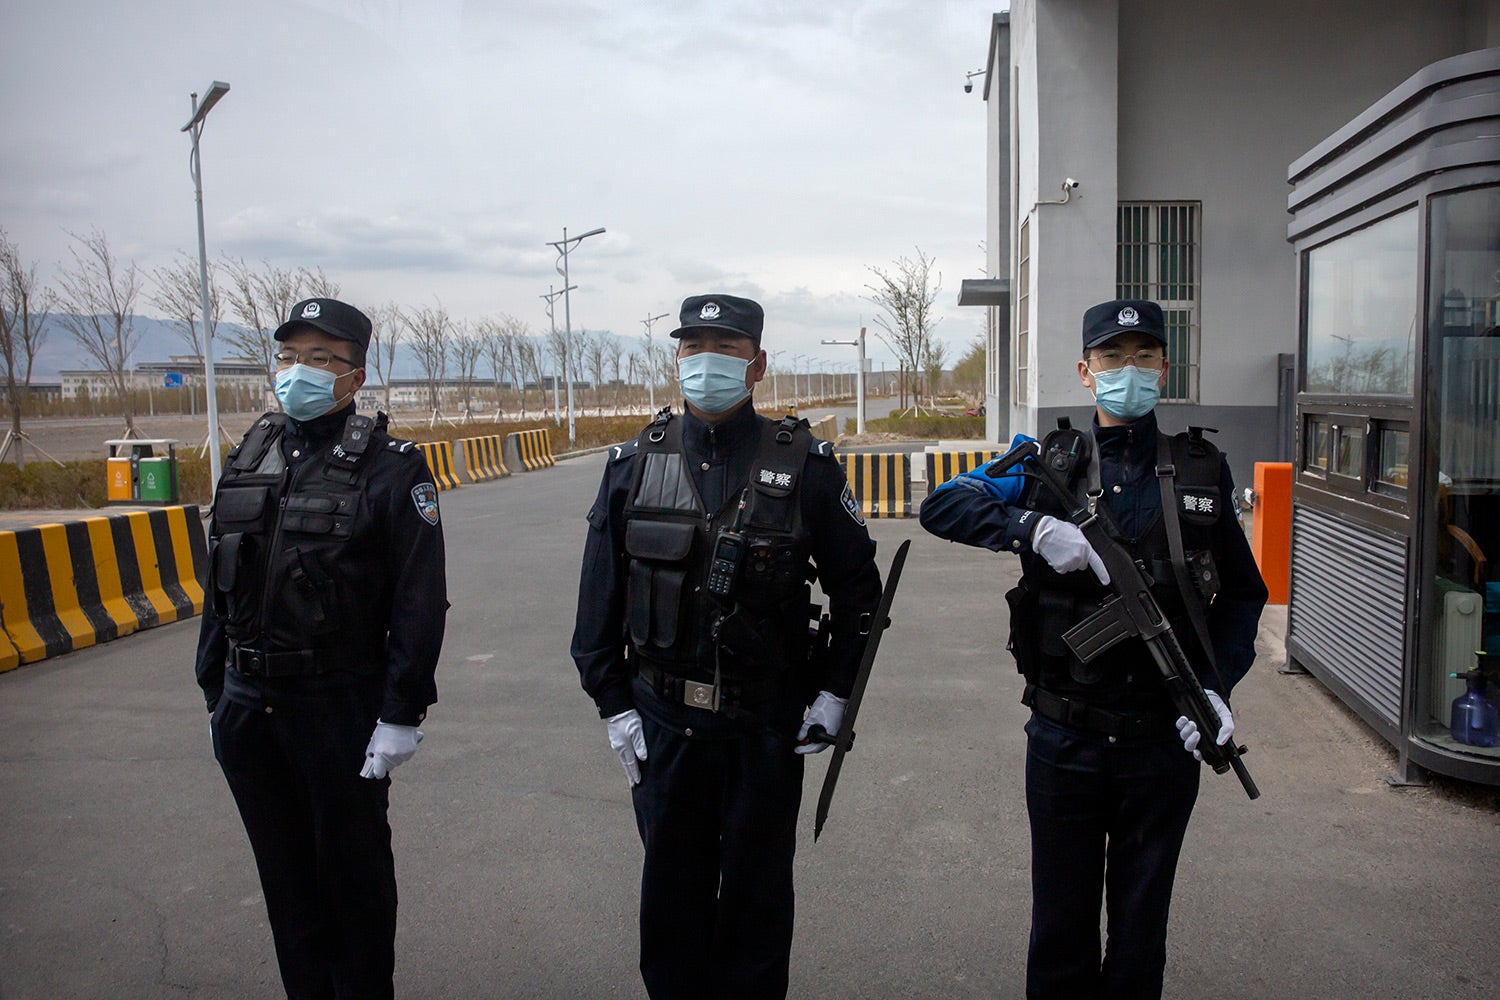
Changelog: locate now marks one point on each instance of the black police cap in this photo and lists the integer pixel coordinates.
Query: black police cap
(1110, 319)
(335, 318)
(722, 312)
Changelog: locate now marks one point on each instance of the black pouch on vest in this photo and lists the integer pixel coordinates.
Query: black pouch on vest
(654, 586)
(1020, 643)
(241, 509)
(320, 514)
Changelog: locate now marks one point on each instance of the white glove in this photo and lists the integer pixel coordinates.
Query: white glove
(629, 741)
(1188, 730)
(390, 745)
(827, 711)
(1062, 544)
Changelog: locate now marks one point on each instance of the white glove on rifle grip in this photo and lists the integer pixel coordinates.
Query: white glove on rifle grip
(1064, 547)
(827, 711)
(629, 741)
(390, 746)
(1188, 729)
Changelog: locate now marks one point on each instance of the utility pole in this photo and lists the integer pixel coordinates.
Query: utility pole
(651, 359)
(859, 392)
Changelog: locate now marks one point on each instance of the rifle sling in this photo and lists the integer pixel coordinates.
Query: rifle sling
(1166, 475)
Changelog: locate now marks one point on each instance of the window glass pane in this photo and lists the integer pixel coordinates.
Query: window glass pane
(1316, 449)
(1349, 451)
(1362, 310)
(1393, 445)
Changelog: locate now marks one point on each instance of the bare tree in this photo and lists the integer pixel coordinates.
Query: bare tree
(97, 294)
(178, 294)
(468, 348)
(932, 364)
(262, 298)
(387, 327)
(531, 356)
(595, 351)
(905, 295)
(23, 318)
(614, 357)
(429, 328)
(562, 368)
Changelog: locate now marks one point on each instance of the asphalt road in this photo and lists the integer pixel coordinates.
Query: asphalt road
(125, 871)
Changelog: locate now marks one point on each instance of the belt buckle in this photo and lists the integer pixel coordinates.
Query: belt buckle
(699, 695)
(250, 662)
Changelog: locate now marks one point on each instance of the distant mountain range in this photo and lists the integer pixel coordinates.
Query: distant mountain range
(158, 340)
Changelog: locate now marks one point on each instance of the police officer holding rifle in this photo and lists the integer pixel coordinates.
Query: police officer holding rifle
(1135, 616)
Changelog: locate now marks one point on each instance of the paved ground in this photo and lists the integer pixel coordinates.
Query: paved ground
(125, 872)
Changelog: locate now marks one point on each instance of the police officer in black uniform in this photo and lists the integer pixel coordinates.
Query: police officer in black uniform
(693, 640)
(1109, 787)
(325, 616)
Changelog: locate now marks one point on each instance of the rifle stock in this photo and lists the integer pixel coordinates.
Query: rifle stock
(1134, 611)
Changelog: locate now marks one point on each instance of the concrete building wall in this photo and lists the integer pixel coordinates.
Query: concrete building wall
(1181, 100)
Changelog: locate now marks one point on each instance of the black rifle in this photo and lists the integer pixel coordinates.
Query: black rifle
(1132, 611)
(845, 737)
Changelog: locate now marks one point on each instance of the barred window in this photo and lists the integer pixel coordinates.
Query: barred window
(1157, 259)
(1021, 358)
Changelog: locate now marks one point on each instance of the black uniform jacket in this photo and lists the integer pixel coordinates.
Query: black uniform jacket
(392, 590)
(719, 456)
(961, 512)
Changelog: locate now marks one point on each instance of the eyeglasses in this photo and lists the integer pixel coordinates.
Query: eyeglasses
(1109, 361)
(314, 358)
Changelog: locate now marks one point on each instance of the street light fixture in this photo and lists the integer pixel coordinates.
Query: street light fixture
(651, 361)
(859, 392)
(565, 246)
(194, 127)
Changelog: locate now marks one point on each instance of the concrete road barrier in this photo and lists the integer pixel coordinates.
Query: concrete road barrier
(944, 465)
(529, 450)
(439, 455)
(68, 586)
(881, 482)
(482, 457)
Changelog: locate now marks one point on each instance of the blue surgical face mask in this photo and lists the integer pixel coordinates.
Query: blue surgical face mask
(712, 382)
(306, 392)
(1127, 393)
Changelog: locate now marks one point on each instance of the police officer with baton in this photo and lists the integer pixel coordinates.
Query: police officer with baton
(692, 639)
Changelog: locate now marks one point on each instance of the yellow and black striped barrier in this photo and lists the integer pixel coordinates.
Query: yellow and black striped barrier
(944, 465)
(439, 455)
(529, 450)
(482, 457)
(68, 586)
(880, 481)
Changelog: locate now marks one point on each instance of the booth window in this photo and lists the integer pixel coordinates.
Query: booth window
(1362, 310)
(1156, 257)
(1392, 444)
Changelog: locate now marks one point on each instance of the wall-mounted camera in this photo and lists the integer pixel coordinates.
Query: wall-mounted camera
(1070, 184)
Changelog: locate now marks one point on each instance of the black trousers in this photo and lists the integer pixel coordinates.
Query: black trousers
(321, 840)
(718, 817)
(1107, 822)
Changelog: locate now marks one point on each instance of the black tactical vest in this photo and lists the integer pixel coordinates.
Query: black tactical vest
(1048, 603)
(672, 622)
(291, 565)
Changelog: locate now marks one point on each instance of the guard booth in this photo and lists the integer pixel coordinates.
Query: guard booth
(1396, 492)
(141, 471)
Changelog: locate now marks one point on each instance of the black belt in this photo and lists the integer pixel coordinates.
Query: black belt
(1082, 715)
(737, 692)
(289, 663)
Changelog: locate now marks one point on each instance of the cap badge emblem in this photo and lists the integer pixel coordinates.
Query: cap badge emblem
(311, 311)
(1128, 317)
(710, 311)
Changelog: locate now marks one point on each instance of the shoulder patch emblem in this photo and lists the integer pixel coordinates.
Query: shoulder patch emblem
(424, 495)
(851, 505)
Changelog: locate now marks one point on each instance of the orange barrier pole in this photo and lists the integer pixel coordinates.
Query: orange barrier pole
(1271, 527)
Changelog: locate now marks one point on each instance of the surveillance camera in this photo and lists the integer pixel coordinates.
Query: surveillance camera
(968, 86)
(1069, 184)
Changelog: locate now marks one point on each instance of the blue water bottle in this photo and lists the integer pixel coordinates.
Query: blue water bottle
(1475, 721)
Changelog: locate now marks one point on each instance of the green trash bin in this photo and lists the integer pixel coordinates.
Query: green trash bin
(158, 480)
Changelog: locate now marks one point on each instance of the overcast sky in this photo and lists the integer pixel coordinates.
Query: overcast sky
(426, 150)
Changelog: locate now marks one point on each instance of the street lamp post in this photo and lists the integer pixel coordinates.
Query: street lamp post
(551, 297)
(194, 127)
(564, 247)
(859, 392)
(651, 361)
